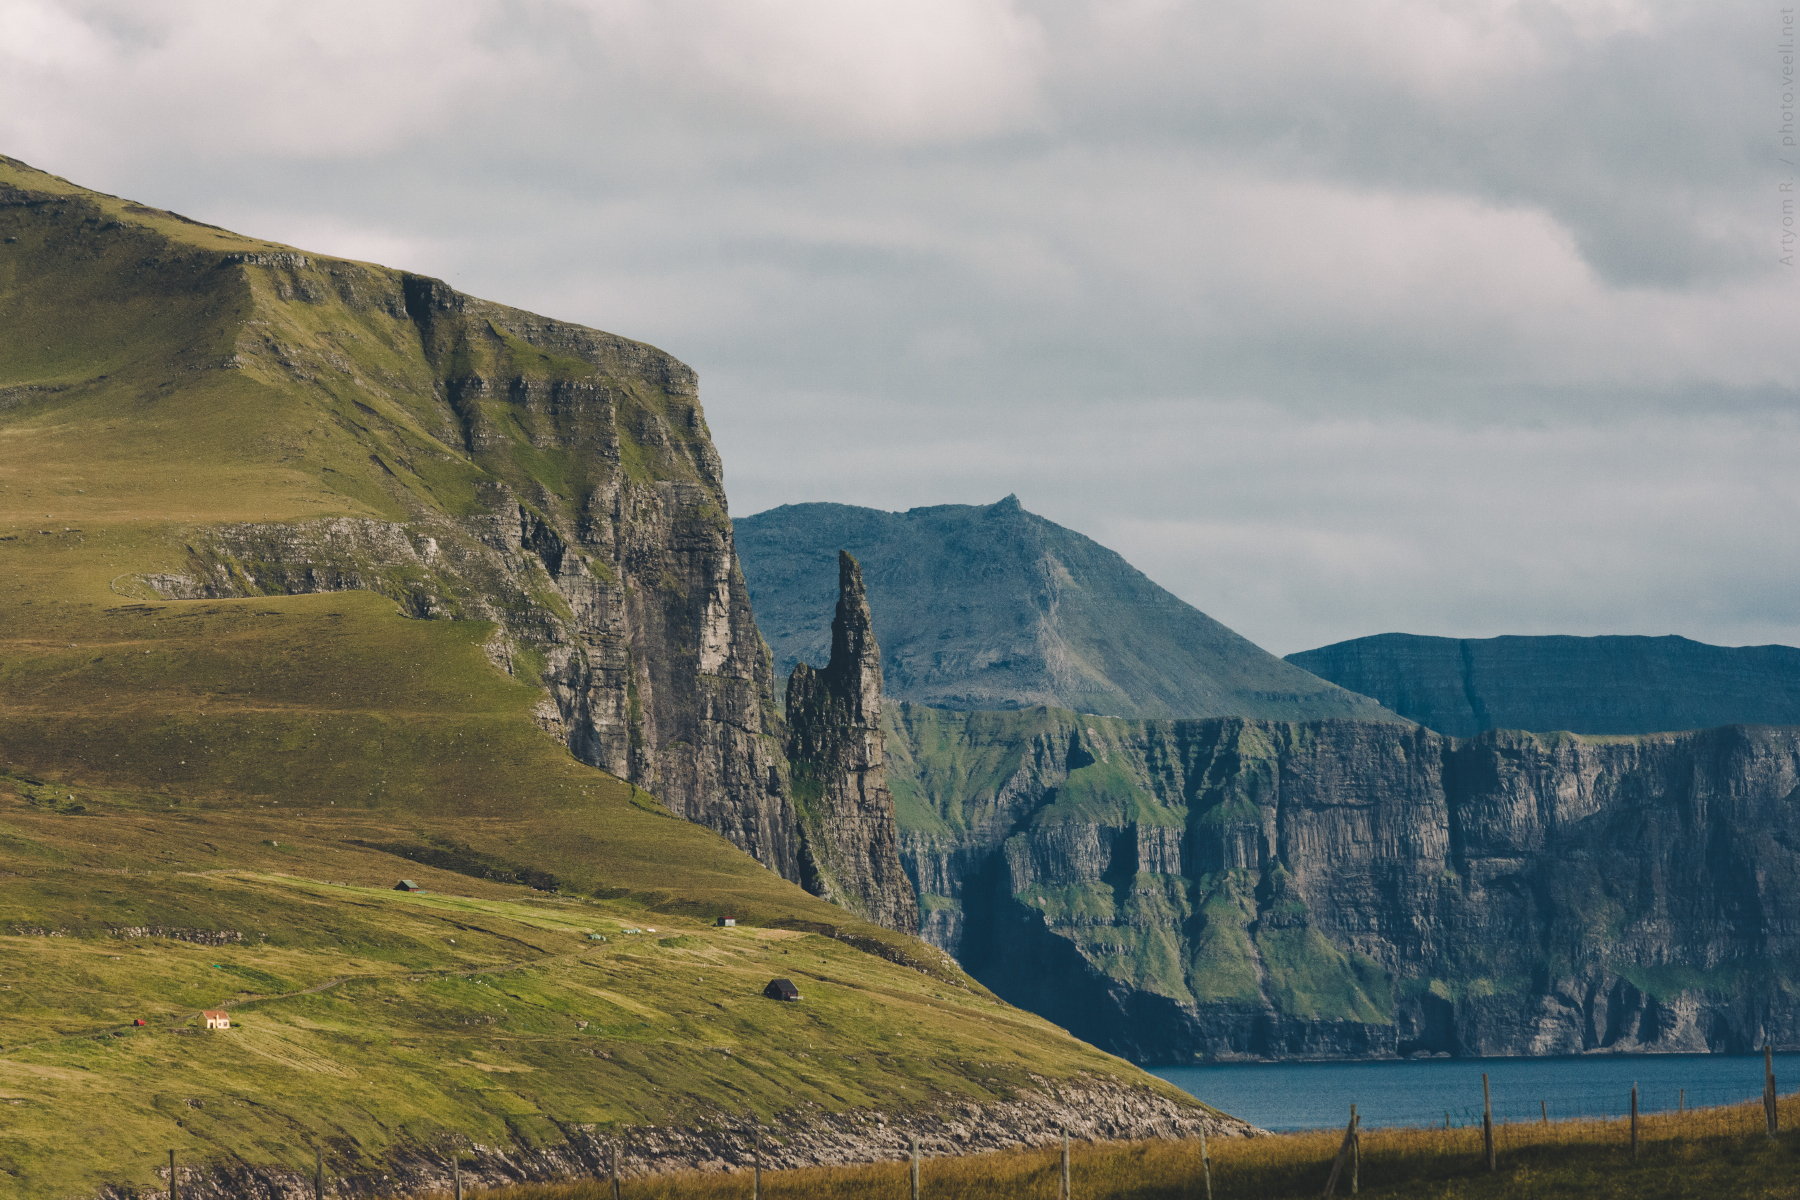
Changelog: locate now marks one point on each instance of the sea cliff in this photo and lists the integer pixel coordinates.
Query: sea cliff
(1181, 890)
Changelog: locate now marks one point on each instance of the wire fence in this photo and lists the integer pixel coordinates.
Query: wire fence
(1426, 1159)
(1717, 1123)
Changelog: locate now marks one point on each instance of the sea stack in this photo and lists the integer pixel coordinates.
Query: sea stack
(849, 845)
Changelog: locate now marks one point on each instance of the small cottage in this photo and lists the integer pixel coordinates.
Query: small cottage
(407, 885)
(781, 989)
(215, 1018)
(727, 922)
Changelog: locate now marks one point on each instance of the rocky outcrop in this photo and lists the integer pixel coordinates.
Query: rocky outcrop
(849, 843)
(1622, 685)
(1087, 1108)
(555, 480)
(1190, 890)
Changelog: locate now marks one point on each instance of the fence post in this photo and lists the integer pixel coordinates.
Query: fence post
(1681, 1100)
(615, 1167)
(1769, 1085)
(173, 1194)
(1337, 1164)
(915, 1167)
(1634, 1123)
(1355, 1153)
(456, 1173)
(1544, 1107)
(1487, 1120)
(1065, 1163)
(1205, 1164)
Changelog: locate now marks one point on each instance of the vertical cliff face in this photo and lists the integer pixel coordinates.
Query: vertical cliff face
(849, 844)
(556, 480)
(1184, 889)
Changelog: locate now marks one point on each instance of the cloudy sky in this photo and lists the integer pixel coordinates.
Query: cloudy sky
(1334, 316)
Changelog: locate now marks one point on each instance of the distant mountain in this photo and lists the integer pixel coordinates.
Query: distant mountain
(993, 607)
(1594, 685)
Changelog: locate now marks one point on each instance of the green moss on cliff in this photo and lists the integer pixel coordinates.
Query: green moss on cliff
(1222, 963)
(1309, 977)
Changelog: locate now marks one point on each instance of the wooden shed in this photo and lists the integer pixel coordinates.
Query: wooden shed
(215, 1018)
(407, 885)
(727, 922)
(781, 989)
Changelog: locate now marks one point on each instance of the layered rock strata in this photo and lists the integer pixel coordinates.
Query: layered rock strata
(849, 843)
(553, 479)
(1186, 890)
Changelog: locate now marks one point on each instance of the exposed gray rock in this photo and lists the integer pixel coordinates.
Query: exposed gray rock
(1230, 888)
(849, 844)
(615, 584)
(1624, 685)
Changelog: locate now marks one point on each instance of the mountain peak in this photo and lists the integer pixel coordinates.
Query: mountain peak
(995, 607)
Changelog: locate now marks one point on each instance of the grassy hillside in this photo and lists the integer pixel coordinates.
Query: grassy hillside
(207, 802)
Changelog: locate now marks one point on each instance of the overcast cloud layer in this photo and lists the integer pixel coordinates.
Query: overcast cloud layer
(1335, 317)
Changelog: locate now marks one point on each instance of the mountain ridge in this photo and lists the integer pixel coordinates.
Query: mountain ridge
(994, 607)
(1611, 684)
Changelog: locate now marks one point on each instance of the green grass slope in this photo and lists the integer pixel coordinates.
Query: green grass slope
(207, 802)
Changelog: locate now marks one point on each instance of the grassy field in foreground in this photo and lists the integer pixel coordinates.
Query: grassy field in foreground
(368, 1020)
(205, 804)
(1712, 1153)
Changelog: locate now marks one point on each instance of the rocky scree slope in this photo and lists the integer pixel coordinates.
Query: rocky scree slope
(471, 461)
(1185, 890)
(1624, 685)
(993, 607)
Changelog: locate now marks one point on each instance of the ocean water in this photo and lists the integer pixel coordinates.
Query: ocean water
(1315, 1095)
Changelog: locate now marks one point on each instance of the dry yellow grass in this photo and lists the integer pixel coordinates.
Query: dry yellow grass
(1716, 1152)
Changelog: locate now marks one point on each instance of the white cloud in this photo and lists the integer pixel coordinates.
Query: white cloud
(922, 71)
(1335, 316)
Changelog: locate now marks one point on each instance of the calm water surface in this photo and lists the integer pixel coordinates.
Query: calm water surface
(1311, 1095)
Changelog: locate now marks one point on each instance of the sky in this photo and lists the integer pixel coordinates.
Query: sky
(1335, 317)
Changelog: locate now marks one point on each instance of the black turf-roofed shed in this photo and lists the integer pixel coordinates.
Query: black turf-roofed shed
(781, 989)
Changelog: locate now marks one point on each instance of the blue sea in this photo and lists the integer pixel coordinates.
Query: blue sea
(1421, 1092)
